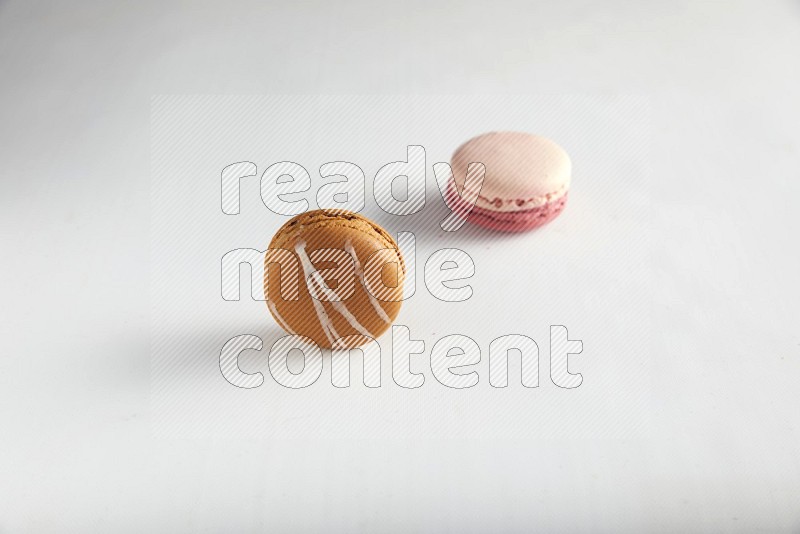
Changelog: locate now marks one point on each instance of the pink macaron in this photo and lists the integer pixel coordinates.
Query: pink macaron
(526, 182)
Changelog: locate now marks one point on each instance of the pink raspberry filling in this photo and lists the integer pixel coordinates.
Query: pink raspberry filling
(508, 221)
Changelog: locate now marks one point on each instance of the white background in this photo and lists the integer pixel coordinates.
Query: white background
(79, 445)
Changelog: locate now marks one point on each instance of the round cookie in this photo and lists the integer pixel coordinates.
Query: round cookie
(315, 248)
(526, 183)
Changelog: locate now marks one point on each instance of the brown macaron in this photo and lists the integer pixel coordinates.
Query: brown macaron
(332, 274)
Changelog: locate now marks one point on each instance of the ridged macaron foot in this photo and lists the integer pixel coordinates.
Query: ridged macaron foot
(526, 182)
(359, 298)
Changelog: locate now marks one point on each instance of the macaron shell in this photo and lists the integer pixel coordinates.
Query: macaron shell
(355, 315)
(523, 171)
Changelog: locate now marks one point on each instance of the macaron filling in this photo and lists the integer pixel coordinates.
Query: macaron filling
(516, 220)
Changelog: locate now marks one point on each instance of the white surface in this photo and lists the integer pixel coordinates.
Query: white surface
(79, 450)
